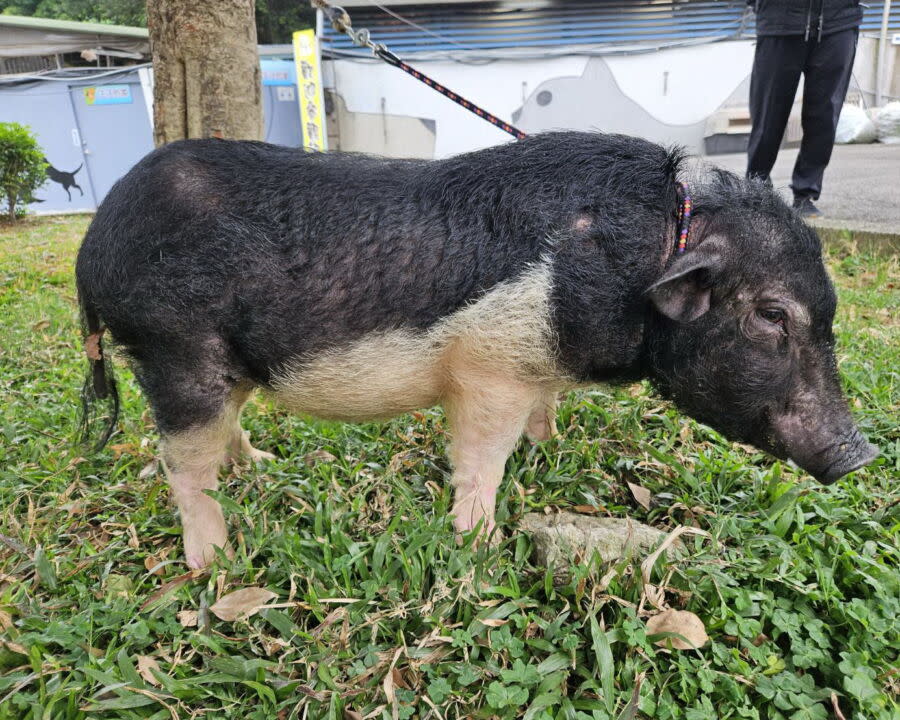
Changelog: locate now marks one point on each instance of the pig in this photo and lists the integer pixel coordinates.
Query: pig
(356, 288)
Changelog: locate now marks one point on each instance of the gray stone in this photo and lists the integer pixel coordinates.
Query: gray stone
(564, 539)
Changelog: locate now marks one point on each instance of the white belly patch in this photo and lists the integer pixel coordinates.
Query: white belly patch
(506, 332)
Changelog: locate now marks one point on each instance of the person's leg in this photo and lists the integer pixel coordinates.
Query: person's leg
(773, 86)
(826, 78)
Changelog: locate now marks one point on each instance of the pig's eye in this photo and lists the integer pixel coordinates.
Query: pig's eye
(773, 315)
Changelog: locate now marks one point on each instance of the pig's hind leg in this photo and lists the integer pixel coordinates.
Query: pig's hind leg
(197, 402)
(193, 458)
(487, 415)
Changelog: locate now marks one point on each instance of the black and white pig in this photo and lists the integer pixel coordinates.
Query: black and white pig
(356, 288)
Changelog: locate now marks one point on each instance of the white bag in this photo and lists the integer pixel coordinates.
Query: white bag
(887, 123)
(854, 126)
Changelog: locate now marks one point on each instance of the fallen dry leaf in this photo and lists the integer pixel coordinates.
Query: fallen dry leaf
(388, 687)
(655, 595)
(41, 325)
(682, 622)
(152, 561)
(15, 647)
(121, 449)
(641, 494)
(399, 680)
(75, 461)
(145, 666)
(241, 604)
(173, 584)
(133, 541)
(317, 456)
(274, 645)
(316, 695)
(96, 652)
(92, 346)
(187, 618)
(493, 622)
(493, 602)
(5, 620)
(631, 709)
(587, 509)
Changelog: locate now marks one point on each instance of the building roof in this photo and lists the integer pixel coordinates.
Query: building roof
(27, 36)
(71, 26)
(527, 28)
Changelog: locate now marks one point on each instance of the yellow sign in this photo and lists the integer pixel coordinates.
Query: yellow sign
(309, 83)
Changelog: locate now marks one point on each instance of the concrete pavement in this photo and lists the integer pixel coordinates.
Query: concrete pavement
(860, 193)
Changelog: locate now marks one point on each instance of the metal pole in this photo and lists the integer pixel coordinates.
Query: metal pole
(882, 53)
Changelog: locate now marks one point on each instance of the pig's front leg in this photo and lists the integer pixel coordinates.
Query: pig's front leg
(487, 415)
(542, 420)
(239, 445)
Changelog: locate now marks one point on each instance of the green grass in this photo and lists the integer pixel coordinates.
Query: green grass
(378, 612)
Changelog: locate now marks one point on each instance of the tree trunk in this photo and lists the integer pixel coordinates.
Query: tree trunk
(206, 77)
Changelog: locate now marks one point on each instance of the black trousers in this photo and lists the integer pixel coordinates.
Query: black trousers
(826, 65)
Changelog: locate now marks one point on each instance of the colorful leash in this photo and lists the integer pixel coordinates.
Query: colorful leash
(340, 21)
(392, 59)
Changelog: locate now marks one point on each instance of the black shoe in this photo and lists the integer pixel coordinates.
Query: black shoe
(804, 206)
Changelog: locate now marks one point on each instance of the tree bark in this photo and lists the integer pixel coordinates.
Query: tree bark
(206, 76)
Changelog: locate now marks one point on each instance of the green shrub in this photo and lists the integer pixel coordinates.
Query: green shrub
(22, 166)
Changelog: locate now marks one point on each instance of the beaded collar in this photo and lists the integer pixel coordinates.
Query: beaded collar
(684, 218)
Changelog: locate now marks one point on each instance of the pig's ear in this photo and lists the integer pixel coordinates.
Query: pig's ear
(684, 292)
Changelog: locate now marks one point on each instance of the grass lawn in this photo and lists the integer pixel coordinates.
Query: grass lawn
(376, 612)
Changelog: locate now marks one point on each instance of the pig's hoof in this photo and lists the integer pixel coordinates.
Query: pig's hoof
(200, 547)
(259, 456)
(488, 532)
(199, 559)
(242, 448)
(196, 562)
(492, 538)
(541, 426)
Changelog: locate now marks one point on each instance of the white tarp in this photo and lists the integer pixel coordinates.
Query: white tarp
(24, 42)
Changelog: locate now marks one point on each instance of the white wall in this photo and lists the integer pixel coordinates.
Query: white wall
(501, 87)
(668, 95)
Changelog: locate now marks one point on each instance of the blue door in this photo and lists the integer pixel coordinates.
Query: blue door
(115, 130)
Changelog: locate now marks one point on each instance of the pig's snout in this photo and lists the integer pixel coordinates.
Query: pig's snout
(845, 456)
(827, 451)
